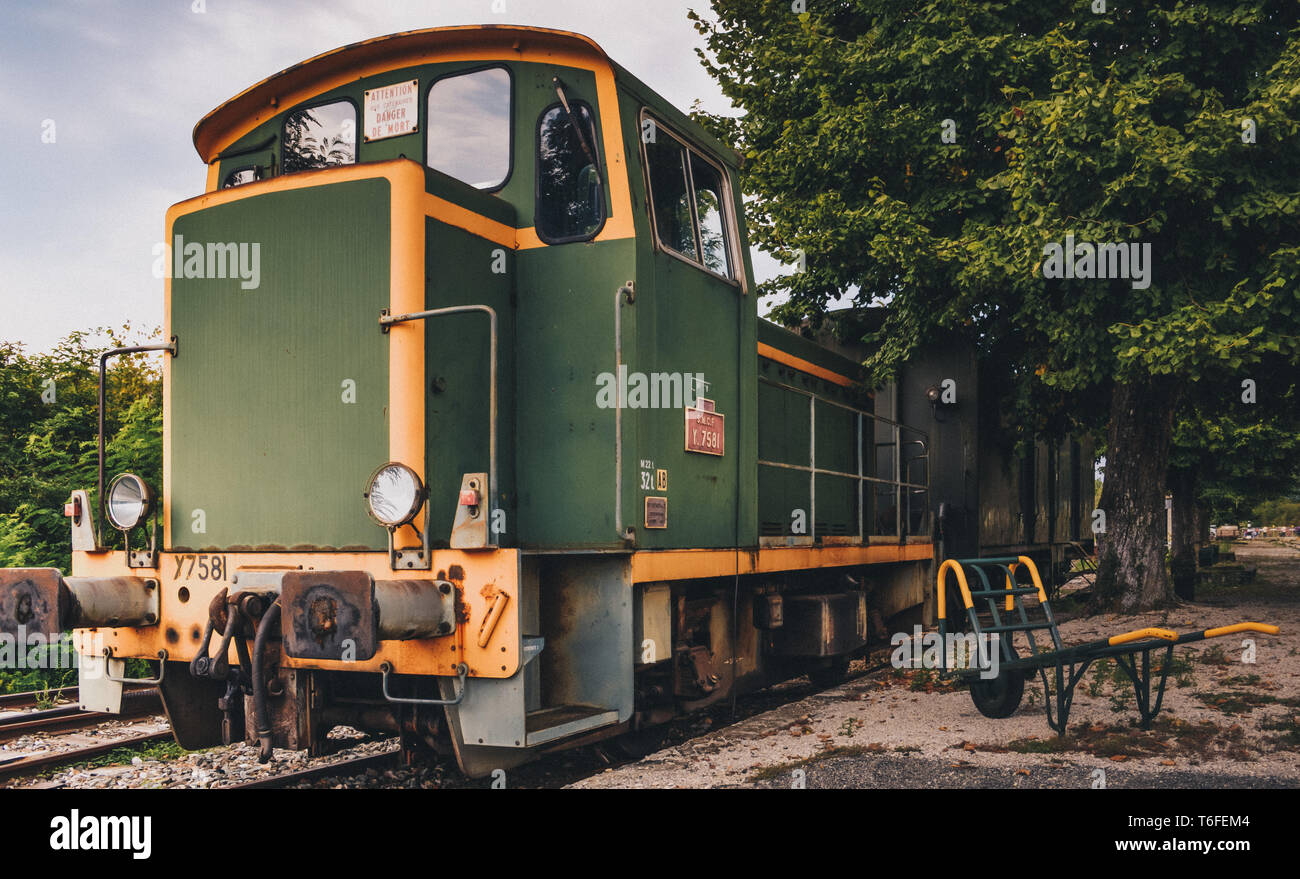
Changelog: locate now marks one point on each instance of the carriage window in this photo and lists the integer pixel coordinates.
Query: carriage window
(469, 127)
(320, 137)
(570, 197)
(689, 198)
(241, 176)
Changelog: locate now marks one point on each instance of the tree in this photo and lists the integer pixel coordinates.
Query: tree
(1237, 440)
(48, 412)
(964, 162)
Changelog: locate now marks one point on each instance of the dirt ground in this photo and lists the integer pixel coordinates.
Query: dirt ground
(1227, 722)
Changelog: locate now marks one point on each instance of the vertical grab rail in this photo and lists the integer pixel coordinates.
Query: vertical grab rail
(387, 320)
(625, 293)
(171, 349)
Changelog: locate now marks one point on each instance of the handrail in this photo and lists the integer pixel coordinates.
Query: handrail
(1033, 572)
(953, 564)
(627, 293)
(807, 393)
(171, 348)
(896, 444)
(386, 321)
(386, 669)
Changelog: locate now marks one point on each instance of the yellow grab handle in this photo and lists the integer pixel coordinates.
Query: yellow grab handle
(961, 583)
(1033, 573)
(1139, 634)
(1266, 628)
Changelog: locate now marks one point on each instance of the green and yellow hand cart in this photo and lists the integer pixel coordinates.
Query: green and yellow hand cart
(997, 689)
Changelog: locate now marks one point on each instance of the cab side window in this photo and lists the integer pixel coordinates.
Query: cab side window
(688, 198)
(239, 177)
(710, 213)
(670, 192)
(469, 127)
(320, 137)
(570, 192)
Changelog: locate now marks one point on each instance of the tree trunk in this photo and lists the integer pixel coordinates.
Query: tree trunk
(1184, 541)
(1131, 572)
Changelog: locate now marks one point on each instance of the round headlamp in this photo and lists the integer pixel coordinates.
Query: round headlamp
(127, 501)
(394, 494)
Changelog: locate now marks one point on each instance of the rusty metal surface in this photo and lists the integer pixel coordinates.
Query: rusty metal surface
(113, 601)
(191, 707)
(410, 609)
(289, 709)
(329, 615)
(32, 600)
(821, 625)
(477, 577)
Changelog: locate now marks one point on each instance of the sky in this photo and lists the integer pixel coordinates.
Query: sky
(117, 86)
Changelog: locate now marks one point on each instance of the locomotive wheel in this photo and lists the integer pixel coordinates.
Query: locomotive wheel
(999, 697)
(636, 744)
(831, 675)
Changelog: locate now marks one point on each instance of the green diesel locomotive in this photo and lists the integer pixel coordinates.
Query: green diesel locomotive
(472, 432)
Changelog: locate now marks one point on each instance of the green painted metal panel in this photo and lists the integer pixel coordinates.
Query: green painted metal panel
(565, 452)
(464, 269)
(780, 494)
(688, 321)
(806, 349)
(263, 441)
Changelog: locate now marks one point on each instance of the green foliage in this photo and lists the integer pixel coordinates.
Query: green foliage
(48, 412)
(1119, 127)
(1166, 125)
(1277, 511)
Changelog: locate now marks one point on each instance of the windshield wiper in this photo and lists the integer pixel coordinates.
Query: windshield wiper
(577, 128)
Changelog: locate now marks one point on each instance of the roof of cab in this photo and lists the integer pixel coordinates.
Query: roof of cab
(256, 104)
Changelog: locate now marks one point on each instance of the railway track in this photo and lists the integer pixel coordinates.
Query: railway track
(136, 703)
(552, 771)
(37, 762)
(351, 766)
(34, 698)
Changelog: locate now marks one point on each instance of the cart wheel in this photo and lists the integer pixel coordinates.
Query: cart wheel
(999, 697)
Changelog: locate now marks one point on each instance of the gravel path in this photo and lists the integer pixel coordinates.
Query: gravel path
(889, 771)
(1226, 723)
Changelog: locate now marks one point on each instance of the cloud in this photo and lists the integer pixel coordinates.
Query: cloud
(125, 82)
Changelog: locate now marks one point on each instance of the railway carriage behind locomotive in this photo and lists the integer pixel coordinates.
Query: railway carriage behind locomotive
(492, 450)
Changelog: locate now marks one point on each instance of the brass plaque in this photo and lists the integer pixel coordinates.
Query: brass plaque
(656, 512)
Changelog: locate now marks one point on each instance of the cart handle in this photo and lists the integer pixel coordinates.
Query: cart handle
(1141, 634)
(1266, 628)
(953, 564)
(1033, 574)
(1011, 583)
